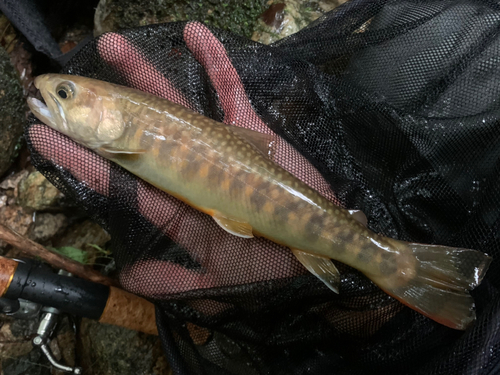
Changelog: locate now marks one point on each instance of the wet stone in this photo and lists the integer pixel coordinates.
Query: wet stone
(12, 181)
(37, 193)
(48, 225)
(16, 218)
(17, 354)
(81, 234)
(15, 337)
(85, 236)
(285, 17)
(111, 350)
(33, 363)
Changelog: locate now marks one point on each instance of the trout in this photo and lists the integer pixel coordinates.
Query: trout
(225, 172)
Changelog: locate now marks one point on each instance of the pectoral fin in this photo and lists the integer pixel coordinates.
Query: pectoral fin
(321, 267)
(234, 226)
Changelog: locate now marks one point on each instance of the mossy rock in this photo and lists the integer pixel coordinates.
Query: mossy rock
(12, 112)
(238, 16)
(37, 193)
(112, 350)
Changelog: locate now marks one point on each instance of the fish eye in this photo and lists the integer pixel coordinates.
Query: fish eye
(64, 91)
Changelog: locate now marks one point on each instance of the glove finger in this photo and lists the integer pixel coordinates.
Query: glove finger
(86, 166)
(211, 54)
(238, 111)
(117, 51)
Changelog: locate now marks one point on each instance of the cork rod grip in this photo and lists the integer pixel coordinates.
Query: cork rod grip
(7, 269)
(128, 310)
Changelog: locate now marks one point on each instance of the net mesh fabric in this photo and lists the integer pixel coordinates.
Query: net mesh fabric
(394, 102)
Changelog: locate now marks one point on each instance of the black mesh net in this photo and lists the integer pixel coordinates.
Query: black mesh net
(394, 102)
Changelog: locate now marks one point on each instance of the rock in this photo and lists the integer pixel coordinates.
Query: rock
(23, 328)
(3, 199)
(81, 234)
(12, 112)
(284, 18)
(19, 56)
(8, 38)
(15, 337)
(48, 225)
(74, 35)
(235, 15)
(18, 355)
(16, 218)
(10, 188)
(37, 193)
(66, 342)
(12, 181)
(63, 345)
(33, 363)
(111, 350)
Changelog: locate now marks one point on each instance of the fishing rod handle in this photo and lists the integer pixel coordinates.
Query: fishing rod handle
(107, 304)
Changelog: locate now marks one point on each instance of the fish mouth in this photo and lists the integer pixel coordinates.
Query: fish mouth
(46, 107)
(41, 111)
(38, 105)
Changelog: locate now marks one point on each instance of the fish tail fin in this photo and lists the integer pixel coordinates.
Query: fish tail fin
(435, 281)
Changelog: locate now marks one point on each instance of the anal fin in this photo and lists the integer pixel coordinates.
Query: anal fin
(321, 267)
(232, 225)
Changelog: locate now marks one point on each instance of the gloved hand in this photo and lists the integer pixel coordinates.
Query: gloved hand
(226, 260)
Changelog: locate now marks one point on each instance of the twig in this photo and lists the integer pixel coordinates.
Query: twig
(53, 258)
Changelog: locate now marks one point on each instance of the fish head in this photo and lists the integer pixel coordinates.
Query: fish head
(84, 109)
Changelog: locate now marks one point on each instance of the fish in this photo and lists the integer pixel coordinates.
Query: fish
(226, 172)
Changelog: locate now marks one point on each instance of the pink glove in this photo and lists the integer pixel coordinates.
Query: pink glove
(226, 260)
